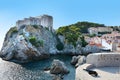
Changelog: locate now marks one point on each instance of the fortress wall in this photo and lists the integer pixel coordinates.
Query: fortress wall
(47, 21)
(27, 22)
(19, 23)
(44, 20)
(104, 59)
(38, 22)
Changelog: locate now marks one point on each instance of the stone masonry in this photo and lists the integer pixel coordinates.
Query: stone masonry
(104, 59)
(43, 20)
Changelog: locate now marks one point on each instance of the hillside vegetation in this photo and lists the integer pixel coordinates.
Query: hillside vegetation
(74, 31)
(83, 26)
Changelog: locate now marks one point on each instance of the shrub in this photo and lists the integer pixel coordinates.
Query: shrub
(35, 26)
(40, 42)
(12, 31)
(60, 46)
(35, 42)
(92, 35)
(84, 43)
(71, 33)
(47, 28)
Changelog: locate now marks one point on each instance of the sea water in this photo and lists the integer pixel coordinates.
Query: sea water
(33, 70)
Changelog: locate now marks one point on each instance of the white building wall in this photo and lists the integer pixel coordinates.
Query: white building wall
(106, 45)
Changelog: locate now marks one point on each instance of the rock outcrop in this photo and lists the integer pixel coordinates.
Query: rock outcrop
(34, 42)
(78, 60)
(91, 49)
(81, 60)
(58, 67)
(74, 60)
(29, 43)
(70, 48)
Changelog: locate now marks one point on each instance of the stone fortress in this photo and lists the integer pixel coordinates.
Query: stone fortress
(43, 20)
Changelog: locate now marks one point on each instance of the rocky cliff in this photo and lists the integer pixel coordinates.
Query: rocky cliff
(29, 43)
(33, 42)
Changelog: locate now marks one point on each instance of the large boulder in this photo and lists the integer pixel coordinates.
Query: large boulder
(28, 43)
(80, 61)
(74, 60)
(58, 67)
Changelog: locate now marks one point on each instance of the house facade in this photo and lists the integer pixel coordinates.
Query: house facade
(107, 41)
(114, 39)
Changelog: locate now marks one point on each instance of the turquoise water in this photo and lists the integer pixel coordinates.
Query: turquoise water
(33, 70)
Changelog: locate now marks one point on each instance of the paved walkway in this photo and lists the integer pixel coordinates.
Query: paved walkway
(108, 73)
(105, 73)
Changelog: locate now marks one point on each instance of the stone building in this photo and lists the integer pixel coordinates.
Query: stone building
(106, 42)
(115, 39)
(98, 30)
(43, 20)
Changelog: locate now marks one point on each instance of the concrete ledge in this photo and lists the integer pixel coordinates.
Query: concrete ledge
(83, 75)
(105, 64)
(104, 59)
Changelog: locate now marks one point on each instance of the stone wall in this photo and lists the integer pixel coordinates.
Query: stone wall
(104, 59)
(44, 20)
(47, 21)
(93, 30)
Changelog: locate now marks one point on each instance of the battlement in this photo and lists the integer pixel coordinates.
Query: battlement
(44, 20)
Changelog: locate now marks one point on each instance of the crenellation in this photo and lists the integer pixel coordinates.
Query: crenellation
(44, 20)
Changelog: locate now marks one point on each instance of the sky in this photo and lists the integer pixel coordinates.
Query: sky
(64, 12)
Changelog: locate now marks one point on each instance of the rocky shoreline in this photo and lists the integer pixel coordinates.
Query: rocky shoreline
(36, 43)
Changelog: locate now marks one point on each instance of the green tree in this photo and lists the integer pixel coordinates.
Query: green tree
(71, 33)
(84, 43)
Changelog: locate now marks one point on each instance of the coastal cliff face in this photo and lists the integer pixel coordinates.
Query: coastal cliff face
(33, 42)
(29, 43)
(69, 48)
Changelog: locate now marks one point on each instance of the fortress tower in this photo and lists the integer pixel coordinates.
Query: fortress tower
(44, 20)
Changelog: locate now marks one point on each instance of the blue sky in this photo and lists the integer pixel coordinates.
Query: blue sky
(64, 12)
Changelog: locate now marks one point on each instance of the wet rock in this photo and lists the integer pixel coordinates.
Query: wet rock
(46, 68)
(74, 60)
(91, 49)
(58, 67)
(81, 60)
